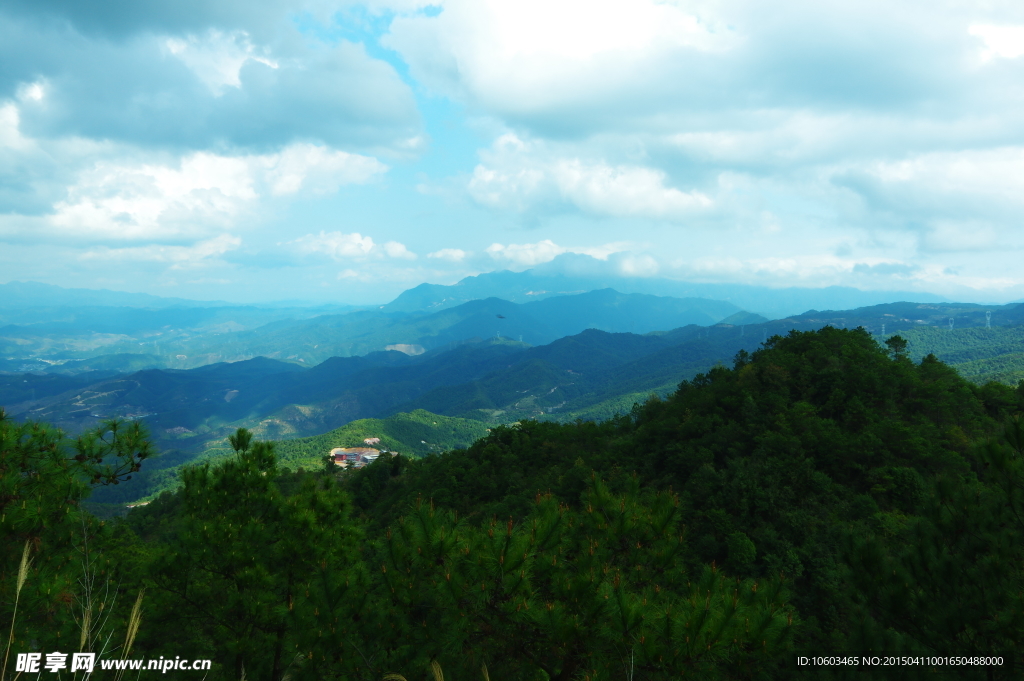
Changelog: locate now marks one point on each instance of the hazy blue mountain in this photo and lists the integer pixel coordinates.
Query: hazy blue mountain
(534, 322)
(744, 318)
(609, 310)
(21, 388)
(31, 294)
(181, 338)
(569, 377)
(573, 273)
(48, 328)
(130, 321)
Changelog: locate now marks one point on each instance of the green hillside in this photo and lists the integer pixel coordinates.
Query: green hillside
(979, 354)
(822, 496)
(612, 407)
(418, 433)
(415, 434)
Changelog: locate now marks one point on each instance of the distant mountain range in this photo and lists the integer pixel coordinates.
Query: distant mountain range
(497, 379)
(22, 295)
(123, 339)
(551, 280)
(590, 374)
(44, 327)
(435, 367)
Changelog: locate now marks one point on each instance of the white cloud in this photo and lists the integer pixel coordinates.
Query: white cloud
(32, 92)
(528, 255)
(985, 174)
(959, 236)
(817, 270)
(354, 246)
(532, 54)
(638, 266)
(449, 254)
(10, 129)
(202, 191)
(320, 169)
(796, 270)
(397, 250)
(1000, 41)
(179, 257)
(217, 57)
(518, 175)
(205, 79)
(957, 201)
(147, 200)
(337, 245)
(623, 190)
(885, 134)
(363, 276)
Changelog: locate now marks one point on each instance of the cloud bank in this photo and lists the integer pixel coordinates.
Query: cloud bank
(872, 144)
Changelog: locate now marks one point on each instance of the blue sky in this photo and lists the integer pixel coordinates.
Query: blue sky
(318, 150)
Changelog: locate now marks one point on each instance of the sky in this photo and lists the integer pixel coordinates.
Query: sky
(257, 150)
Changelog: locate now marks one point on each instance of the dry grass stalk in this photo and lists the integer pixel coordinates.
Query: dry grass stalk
(133, 628)
(133, 624)
(23, 569)
(22, 576)
(86, 623)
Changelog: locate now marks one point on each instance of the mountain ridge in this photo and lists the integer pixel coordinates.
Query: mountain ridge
(557, 278)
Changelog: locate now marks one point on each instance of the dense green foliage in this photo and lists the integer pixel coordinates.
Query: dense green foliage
(824, 496)
(57, 563)
(415, 434)
(979, 354)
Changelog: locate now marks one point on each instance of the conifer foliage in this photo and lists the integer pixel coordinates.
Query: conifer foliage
(54, 576)
(597, 592)
(246, 567)
(824, 496)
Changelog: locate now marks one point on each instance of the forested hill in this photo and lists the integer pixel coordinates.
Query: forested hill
(822, 457)
(824, 496)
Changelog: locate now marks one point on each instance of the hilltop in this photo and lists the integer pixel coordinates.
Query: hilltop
(820, 472)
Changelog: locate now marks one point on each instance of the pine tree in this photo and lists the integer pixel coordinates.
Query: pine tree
(44, 478)
(240, 580)
(595, 593)
(954, 585)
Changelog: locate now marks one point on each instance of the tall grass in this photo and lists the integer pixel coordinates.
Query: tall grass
(22, 576)
(133, 628)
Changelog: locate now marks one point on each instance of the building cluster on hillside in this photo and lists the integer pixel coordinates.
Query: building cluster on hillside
(357, 457)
